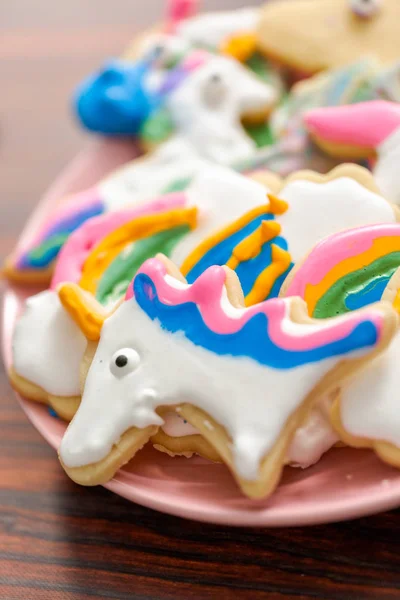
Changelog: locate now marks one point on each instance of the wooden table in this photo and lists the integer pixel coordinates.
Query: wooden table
(60, 541)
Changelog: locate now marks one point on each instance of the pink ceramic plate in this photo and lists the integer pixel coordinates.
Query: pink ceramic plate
(345, 484)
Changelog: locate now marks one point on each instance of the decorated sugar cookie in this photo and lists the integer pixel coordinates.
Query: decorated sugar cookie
(363, 130)
(344, 272)
(230, 361)
(366, 414)
(328, 33)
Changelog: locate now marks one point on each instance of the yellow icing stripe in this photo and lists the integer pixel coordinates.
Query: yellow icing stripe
(83, 309)
(380, 247)
(113, 244)
(219, 236)
(241, 47)
(276, 205)
(263, 285)
(396, 302)
(251, 246)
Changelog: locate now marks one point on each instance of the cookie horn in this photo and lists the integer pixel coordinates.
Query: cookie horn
(83, 308)
(366, 125)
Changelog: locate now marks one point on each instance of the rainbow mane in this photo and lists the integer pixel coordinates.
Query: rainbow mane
(53, 235)
(250, 246)
(83, 242)
(348, 270)
(202, 313)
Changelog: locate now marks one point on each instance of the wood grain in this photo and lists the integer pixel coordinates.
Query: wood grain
(59, 541)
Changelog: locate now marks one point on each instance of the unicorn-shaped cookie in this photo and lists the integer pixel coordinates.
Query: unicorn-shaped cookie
(195, 347)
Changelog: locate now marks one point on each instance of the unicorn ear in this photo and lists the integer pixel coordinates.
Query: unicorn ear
(84, 309)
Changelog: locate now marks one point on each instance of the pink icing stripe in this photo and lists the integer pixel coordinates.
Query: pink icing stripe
(333, 250)
(179, 10)
(367, 124)
(83, 240)
(75, 202)
(206, 293)
(195, 59)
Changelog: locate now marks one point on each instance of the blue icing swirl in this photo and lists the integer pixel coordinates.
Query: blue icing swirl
(221, 253)
(250, 341)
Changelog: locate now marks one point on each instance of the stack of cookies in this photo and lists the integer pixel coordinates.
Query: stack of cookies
(234, 292)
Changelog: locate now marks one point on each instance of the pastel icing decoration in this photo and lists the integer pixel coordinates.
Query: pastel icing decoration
(328, 33)
(347, 270)
(363, 130)
(254, 352)
(115, 100)
(366, 414)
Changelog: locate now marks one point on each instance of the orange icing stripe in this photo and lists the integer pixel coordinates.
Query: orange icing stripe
(281, 261)
(241, 47)
(113, 244)
(251, 246)
(276, 205)
(380, 247)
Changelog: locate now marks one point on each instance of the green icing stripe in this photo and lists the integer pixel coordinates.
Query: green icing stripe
(261, 134)
(158, 127)
(178, 185)
(116, 278)
(48, 246)
(358, 283)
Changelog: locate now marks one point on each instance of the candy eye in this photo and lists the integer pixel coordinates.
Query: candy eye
(214, 90)
(365, 8)
(124, 361)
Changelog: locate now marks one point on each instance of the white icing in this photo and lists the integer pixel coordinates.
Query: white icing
(317, 210)
(386, 170)
(208, 128)
(148, 177)
(206, 108)
(370, 402)
(237, 392)
(176, 426)
(311, 440)
(47, 346)
(211, 29)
